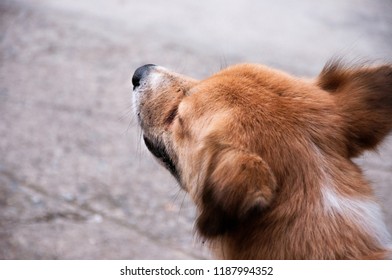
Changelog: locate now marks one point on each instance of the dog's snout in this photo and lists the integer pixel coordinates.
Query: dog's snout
(139, 73)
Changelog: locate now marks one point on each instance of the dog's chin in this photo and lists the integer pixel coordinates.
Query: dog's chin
(159, 150)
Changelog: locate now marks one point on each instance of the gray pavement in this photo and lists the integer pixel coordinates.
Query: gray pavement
(75, 180)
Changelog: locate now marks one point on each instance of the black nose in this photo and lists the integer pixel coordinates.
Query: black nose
(139, 73)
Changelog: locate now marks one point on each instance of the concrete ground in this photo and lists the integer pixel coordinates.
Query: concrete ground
(75, 180)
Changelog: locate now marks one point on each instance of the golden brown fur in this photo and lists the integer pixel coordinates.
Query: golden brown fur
(266, 157)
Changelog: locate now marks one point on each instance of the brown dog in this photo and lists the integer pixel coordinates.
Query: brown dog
(266, 157)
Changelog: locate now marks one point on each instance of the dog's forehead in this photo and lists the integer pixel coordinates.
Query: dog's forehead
(225, 85)
(240, 77)
(250, 88)
(247, 71)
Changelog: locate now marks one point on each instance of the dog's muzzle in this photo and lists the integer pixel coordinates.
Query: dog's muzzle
(154, 144)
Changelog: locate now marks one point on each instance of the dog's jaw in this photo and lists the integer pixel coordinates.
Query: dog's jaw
(159, 150)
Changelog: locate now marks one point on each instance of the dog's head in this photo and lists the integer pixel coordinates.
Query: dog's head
(233, 139)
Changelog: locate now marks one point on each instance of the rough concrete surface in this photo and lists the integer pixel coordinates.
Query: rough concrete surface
(75, 180)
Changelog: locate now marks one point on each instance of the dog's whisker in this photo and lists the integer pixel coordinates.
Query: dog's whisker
(223, 62)
(139, 144)
(126, 113)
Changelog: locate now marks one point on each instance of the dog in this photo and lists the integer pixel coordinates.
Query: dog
(267, 157)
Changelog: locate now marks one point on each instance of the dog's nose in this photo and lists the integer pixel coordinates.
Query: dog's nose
(139, 73)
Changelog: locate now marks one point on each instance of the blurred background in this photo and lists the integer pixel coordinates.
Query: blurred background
(75, 180)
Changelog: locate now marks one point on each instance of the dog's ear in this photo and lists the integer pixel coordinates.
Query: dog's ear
(364, 97)
(238, 184)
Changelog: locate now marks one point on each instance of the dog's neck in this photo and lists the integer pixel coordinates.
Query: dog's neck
(320, 215)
